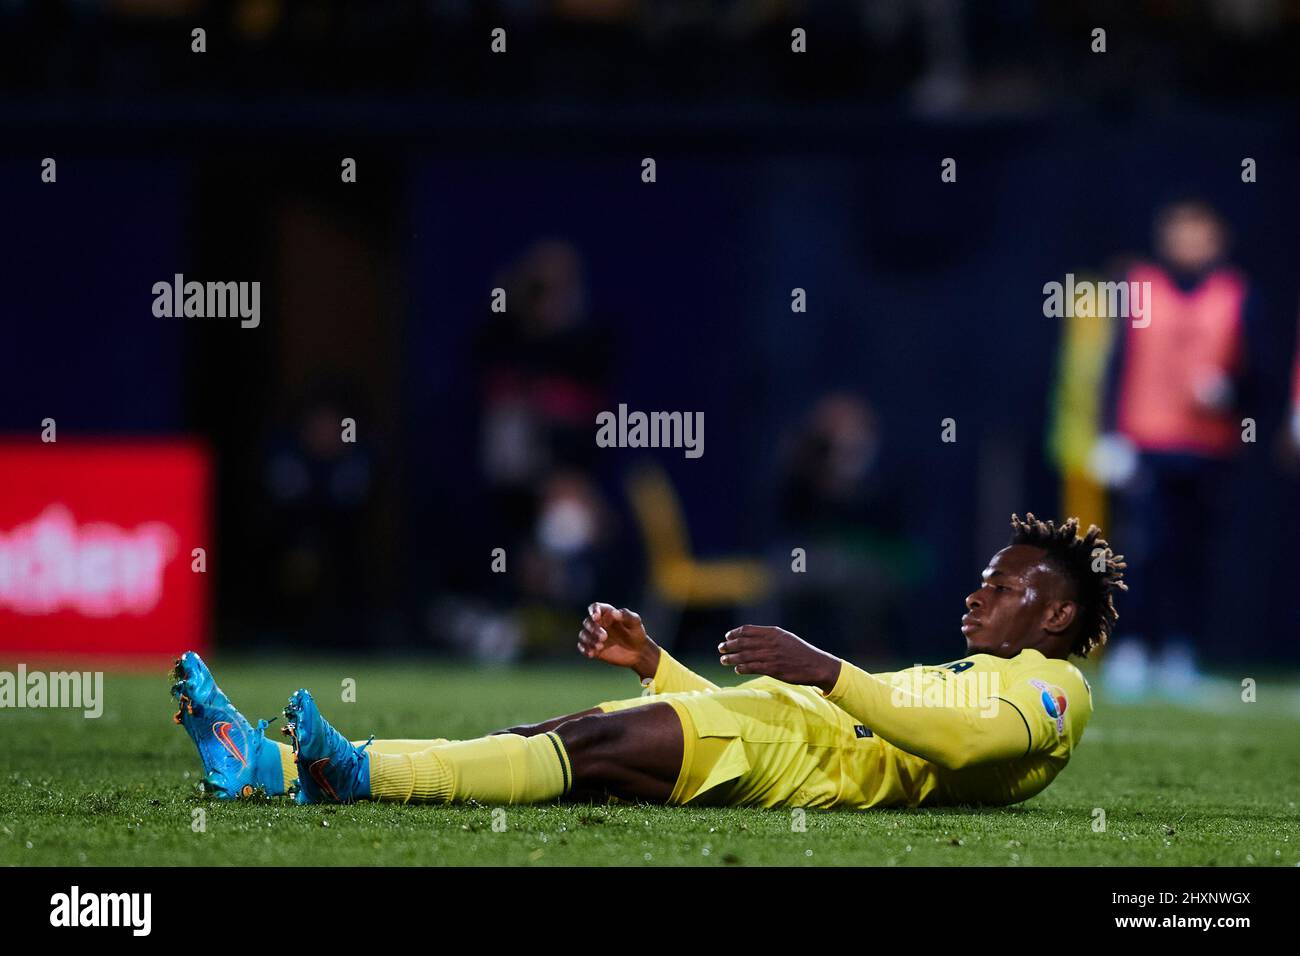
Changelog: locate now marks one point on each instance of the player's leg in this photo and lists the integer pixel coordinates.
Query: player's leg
(598, 787)
(636, 758)
(634, 754)
(604, 756)
(546, 726)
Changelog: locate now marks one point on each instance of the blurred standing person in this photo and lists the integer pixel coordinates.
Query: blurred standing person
(542, 366)
(1176, 387)
(836, 503)
(1076, 407)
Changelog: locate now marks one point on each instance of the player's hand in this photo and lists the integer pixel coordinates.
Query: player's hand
(616, 636)
(775, 652)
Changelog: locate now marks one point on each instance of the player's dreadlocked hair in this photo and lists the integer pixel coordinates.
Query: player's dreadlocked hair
(1074, 556)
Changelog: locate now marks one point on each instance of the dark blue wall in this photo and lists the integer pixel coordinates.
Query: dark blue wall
(78, 339)
(925, 297)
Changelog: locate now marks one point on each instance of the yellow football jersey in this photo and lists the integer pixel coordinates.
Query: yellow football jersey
(983, 729)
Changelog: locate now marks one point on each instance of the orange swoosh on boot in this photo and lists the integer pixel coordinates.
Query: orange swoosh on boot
(222, 729)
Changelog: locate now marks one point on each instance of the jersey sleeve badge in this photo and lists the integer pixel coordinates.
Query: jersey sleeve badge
(1054, 702)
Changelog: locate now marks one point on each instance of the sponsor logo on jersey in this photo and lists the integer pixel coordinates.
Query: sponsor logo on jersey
(1053, 701)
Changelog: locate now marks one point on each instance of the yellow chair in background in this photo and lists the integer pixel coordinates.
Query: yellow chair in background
(678, 581)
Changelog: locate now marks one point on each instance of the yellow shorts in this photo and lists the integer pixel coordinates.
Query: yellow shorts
(765, 743)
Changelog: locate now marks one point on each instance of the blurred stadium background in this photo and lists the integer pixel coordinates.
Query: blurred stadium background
(475, 430)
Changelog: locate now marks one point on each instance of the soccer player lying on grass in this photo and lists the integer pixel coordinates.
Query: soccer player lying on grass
(995, 727)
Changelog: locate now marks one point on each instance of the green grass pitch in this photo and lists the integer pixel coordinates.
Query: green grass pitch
(1215, 786)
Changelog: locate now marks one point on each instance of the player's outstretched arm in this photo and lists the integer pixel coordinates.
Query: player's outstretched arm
(775, 652)
(950, 736)
(617, 636)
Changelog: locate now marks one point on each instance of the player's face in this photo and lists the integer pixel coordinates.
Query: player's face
(1005, 613)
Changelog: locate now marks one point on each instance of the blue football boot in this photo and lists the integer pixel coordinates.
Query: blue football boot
(238, 760)
(331, 769)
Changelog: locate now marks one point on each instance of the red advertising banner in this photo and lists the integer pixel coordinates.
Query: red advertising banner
(96, 548)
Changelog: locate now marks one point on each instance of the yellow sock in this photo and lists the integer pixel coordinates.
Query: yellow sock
(289, 769)
(402, 746)
(502, 768)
